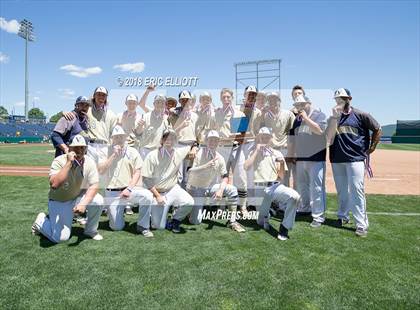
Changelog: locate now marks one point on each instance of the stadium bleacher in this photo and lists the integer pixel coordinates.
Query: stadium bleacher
(10, 129)
(14, 132)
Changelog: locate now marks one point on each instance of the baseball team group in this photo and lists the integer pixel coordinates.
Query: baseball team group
(179, 158)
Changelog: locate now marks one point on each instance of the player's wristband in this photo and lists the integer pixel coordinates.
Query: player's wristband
(129, 189)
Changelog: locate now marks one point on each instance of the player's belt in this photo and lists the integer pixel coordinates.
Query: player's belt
(98, 141)
(265, 184)
(186, 143)
(226, 144)
(120, 189)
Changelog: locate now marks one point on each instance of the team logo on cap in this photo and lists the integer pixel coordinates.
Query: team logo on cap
(213, 133)
(118, 130)
(185, 94)
(251, 89)
(101, 89)
(78, 140)
(342, 92)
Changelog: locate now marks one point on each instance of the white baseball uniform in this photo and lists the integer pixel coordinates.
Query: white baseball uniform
(155, 124)
(100, 126)
(160, 170)
(280, 125)
(233, 155)
(265, 177)
(119, 175)
(310, 155)
(204, 183)
(57, 226)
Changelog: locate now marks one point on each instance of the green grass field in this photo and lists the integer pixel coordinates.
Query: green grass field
(26, 155)
(209, 266)
(42, 155)
(399, 146)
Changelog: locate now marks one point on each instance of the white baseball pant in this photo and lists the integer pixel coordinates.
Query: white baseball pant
(116, 207)
(229, 154)
(349, 181)
(176, 197)
(201, 195)
(57, 226)
(310, 183)
(281, 194)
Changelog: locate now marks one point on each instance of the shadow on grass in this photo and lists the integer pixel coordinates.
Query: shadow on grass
(78, 231)
(44, 242)
(210, 224)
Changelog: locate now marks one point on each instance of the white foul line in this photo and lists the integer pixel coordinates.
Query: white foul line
(385, 213)
(24, 171)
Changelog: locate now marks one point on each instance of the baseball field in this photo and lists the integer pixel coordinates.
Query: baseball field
(209, 265)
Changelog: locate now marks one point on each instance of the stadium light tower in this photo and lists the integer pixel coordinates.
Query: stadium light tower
(26, 31)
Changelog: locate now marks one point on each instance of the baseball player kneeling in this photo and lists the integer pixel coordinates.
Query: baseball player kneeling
(208, 166)
(70, 175)
(160, 176)
(269, 168)
(122, 168)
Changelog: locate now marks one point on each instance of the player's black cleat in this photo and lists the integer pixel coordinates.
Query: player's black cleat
(342, 222)
(176, 226)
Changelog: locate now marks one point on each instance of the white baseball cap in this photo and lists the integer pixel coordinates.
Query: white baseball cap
(185, 94)
(205, 94)
(118, 130)
(213, 134)
(251, 89)
(131, 97)
(273, 94)
(160, 98)
(342, 92)
(264, 131)
(101, 89)
(302, 99)
(78, 140)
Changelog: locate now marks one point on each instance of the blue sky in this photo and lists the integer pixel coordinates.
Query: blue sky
(372, 48)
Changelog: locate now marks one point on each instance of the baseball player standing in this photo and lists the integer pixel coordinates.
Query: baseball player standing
(297, 90)
(73, 189)
(129, 118)
(203, 182)
(250, 110)
(307, 142)
(229, 148)
(101, 121)
(280, 122)
(269, 167)
(160, 176)
(122, 168)
(348, 133)
(150, 129)
(184, 122)
(64, 131)
(261, 100)
(206, 118)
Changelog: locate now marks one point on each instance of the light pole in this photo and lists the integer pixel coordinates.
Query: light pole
(26, 31)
